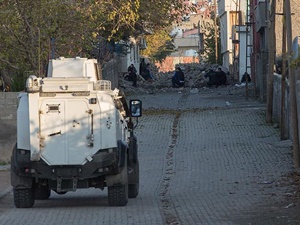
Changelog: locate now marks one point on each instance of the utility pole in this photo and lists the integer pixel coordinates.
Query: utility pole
(283, 76)
(39, 51)
(216, 31)
(201, 41)
(293, 109)
(248, 24)
(271, 59)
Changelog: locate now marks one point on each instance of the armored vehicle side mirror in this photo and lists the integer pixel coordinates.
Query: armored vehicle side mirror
(135, 108)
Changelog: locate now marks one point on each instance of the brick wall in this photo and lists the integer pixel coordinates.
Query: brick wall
(169, 63)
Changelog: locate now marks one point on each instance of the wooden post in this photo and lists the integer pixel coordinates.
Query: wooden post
(293, 108)
(271, 59)
(283, 77)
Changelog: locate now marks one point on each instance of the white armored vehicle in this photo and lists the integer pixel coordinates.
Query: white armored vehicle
(74, 132)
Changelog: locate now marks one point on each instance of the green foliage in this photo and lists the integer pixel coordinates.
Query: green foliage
(163, 51)
(210, 45)
(157, 14)
(3, 163)
(159, 45)
(19, 80)
(160, 15)
(27, 26)
(113, 19)
(295, 63)
(26, 29)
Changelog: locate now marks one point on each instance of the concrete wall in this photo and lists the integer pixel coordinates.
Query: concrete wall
(110, 71)
(8, 125)
(8, 112)
(277, 105)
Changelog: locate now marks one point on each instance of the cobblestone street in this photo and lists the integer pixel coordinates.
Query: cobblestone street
(205, 158)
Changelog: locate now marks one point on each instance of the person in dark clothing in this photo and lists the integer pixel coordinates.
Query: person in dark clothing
(142, 67)
(147, 73)
(216, 78)
(132, 75)
(246, 78)
(222, 76)
(178, 78)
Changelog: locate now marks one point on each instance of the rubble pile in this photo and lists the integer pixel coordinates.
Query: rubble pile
(194, 77)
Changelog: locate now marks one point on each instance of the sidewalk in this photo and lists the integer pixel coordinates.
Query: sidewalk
(5, 186)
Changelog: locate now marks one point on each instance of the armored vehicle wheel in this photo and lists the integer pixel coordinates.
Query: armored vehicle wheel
(23, 198)
(60, 192)
(42, 193)
(118, 192)
(133, 189)
(117, 195)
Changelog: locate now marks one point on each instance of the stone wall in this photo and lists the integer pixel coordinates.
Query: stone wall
(8, 124)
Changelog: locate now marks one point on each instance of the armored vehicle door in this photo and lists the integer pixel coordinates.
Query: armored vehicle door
(65, 126)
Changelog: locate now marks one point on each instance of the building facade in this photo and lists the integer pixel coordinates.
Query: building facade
(234, 35)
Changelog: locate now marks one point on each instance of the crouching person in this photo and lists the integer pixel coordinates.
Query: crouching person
(132, 75)
(178, 78)
(216, 78)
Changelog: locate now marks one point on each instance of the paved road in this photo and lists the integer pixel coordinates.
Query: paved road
(205, 158)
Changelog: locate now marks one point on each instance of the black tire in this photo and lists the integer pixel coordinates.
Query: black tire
(133, 189)
(60, 192)
(42, 193)
(118, 195)
(23, 198)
